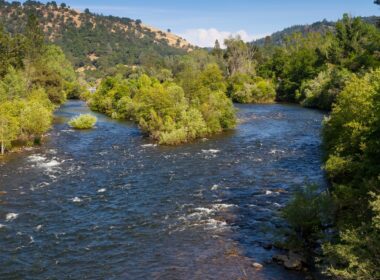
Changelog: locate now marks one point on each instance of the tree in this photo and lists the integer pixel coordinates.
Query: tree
(217, 51)
(12, 51)
(355, 44)
(9, 126)
(35, 119)
(239, 56)
(13, 85)
(377, 2)
(34, 38)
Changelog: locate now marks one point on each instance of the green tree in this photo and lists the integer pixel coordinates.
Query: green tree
(13, 85)
(239, 56)
(35, 119)
(9, 126)
(34, 39)
(355, 44)
(217, 50)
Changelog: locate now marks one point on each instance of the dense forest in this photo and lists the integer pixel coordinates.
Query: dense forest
(35, 77)
(93, 43)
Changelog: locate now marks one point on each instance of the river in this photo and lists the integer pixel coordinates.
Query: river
(109, 204)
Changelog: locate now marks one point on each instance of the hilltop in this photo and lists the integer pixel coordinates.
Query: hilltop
(322, 27)
(93, 42)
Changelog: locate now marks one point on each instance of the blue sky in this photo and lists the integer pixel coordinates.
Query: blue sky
(203, 21)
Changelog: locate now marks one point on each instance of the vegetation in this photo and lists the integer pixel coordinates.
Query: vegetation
(176, 97)
(83, 121)
(351, 83)
(351, 136)
(305, 65)
(34, 78)
(94, 43)
(308, 214)
(169, 109)
(312, 68)
(247, 89)
(322, 27)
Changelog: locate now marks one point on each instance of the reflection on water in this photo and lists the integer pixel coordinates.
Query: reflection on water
(108, 204)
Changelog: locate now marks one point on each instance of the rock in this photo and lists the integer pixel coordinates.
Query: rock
(299, 257)
(293, 264)
(258, 266)
(291, 261)
(280, 258)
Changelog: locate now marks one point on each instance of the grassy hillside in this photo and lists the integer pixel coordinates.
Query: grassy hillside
(92, 42)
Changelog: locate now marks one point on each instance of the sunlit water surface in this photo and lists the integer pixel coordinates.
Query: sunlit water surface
(109, 204)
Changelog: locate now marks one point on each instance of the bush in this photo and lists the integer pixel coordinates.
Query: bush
(356, 256)
(322, 91)
(308, 213)
(244, 88)
(84, 121)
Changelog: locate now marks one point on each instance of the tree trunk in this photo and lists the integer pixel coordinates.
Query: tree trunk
(2, 148)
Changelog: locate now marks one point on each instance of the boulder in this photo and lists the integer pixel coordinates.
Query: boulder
(291, 261)
(258, 266)
(293, 264)
(280, 258)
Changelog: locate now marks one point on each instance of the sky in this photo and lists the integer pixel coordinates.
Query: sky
(203, 21)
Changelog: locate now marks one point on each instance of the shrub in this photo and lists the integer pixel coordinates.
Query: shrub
(84, 121)
(307, 214)
(322, 91)
(244, 88)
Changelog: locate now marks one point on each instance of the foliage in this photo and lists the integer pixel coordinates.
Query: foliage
(83, 121)
(356, 256)
(308, 214)
(322, 91)
(9, 126)
(351, 138)
(322, 27)
(348, 81)
(93, 43)
(355, 44)
(34, 78)
(247, 89)
(311, 68)
(239, 56)
(194, 105)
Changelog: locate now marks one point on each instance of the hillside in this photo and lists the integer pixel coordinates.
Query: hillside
(94, 42)
(324, 26)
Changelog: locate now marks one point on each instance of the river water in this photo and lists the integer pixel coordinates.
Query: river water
(109, 204)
